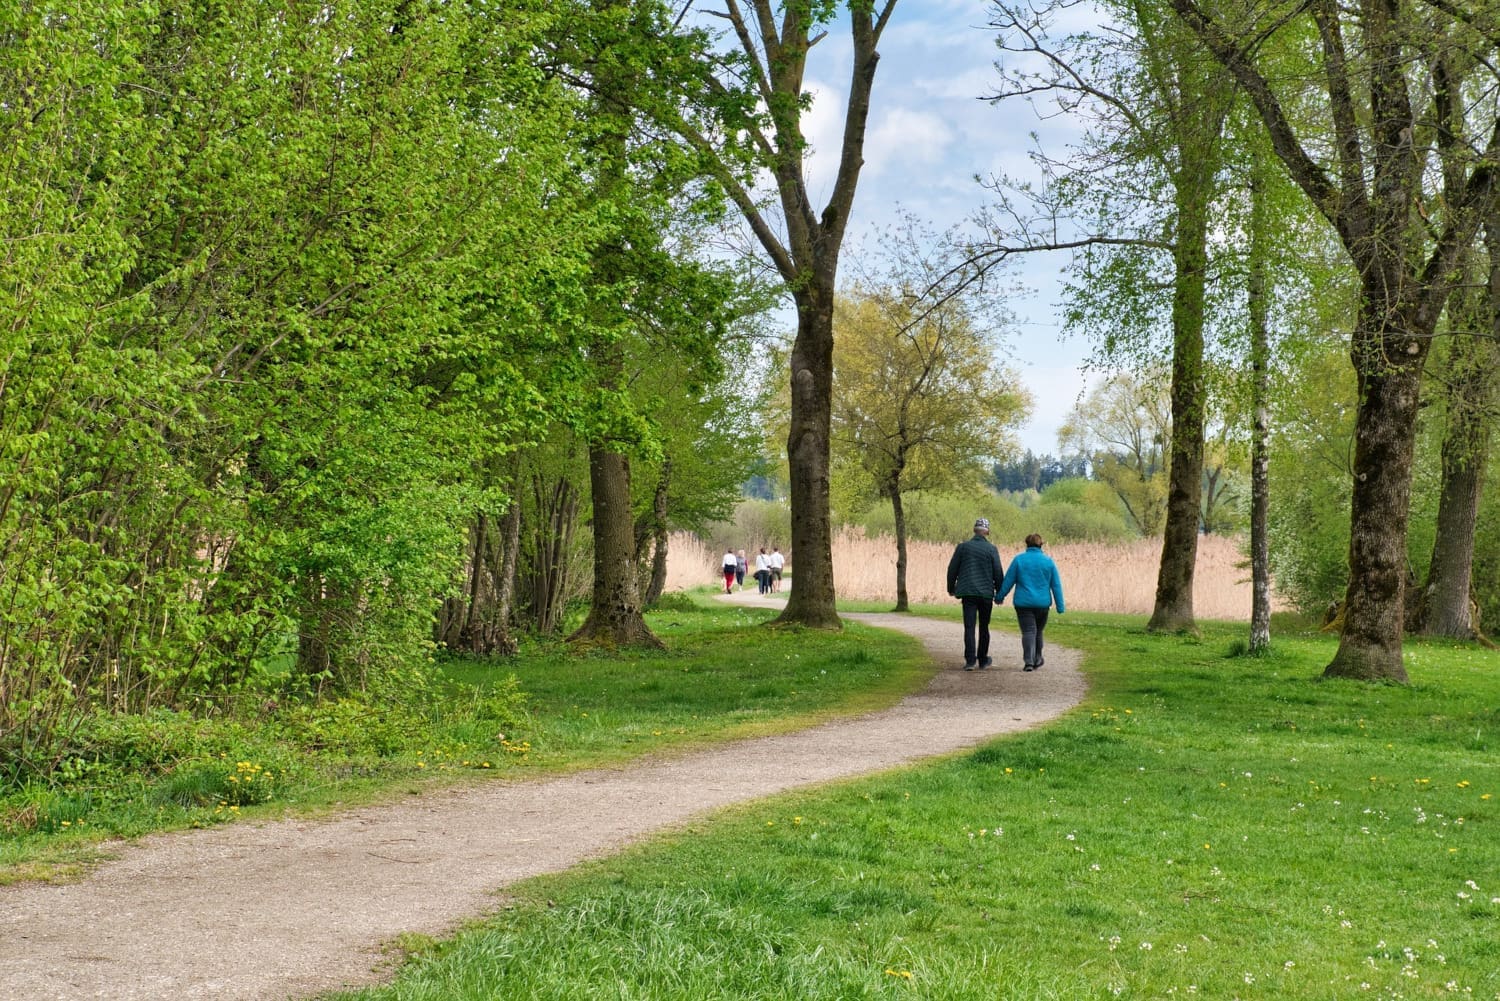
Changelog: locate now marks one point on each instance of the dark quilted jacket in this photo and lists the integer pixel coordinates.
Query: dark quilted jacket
(975, 570)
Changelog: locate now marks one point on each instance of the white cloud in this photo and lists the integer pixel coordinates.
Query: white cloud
(823, 127)
(904, 138)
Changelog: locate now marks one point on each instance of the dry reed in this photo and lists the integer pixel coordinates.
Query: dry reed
(1096, 577)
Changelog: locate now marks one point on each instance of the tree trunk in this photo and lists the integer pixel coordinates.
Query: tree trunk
(811, 602)
(899, 514)
(614, 617)
(1173, 611)
(505, 583)
(547, 576)
(1258, 307)
(658, 580)
(1445, 608)
(1389, 365)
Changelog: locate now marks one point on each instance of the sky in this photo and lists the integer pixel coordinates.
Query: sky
(928, 136)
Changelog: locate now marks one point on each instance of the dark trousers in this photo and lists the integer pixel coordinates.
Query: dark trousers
(977, 614)
(1032, 621)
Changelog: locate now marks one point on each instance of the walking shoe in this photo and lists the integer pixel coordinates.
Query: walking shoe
(1039, 662)
(985, 662)
(968, 665)
(1029, 667)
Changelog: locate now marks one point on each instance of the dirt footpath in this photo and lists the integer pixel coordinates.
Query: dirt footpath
(292, 908)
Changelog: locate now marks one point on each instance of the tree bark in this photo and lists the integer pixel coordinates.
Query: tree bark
(547, 574)
(811, 600)
(899, 514)
(1193, 186)
(658, 581)
(615, 616)
(1445, 608)
(1258, 307)
(505, 585)
(1389, 367)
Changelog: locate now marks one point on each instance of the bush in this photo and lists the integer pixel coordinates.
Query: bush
(756, 523)
(1095, 494)
(1072, 514)
(943, 517)
(1061, 521)
(1309, 540)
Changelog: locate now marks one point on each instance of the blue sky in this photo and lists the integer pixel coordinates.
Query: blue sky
(929, 134)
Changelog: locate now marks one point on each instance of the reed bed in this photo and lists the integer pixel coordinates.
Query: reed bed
(1097, 577)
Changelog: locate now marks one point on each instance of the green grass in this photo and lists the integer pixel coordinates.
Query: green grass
(1205, 825)
(723, 675)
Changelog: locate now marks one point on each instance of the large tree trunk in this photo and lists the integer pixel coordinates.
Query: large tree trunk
(615, 607)
(1445, 608)
(1173, 611)
(811, 602)
(899, 514)
(1389, 367)
(1258, 307)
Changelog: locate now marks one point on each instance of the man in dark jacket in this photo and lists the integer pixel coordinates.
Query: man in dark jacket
(974, 576)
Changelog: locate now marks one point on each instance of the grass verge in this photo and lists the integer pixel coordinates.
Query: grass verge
(722, 676)
(1206, 825)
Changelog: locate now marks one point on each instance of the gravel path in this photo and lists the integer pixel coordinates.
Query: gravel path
(291, 908)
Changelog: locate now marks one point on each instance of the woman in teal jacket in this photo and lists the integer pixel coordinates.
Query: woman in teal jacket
(1034, 577)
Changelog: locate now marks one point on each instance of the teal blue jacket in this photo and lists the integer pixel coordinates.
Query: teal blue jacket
(975, 570)
(1034, 577)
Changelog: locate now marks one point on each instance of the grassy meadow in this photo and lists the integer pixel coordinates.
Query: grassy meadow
(1206, 825)
(1097, 577)
(550, 709)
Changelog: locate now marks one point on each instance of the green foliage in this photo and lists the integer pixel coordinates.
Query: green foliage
(1309, 484)
(1068, 511)
(947, 517)
(755, 523)
(1063, 522)
(276, 320)
(232, 402)
(1085, 493)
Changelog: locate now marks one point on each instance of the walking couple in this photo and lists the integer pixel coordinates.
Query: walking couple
(977, 577)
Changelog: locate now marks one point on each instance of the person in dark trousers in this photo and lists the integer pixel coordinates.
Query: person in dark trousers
(1034, 577)
(974, 576)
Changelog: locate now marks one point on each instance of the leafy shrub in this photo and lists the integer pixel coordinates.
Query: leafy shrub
(756, 523)
(1061, 521)
(943, 517)
(1057, 516)
(1309, 539)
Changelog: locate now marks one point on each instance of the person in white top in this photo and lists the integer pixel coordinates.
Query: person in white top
(777, 562)
(731, 564)
(763, 570)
